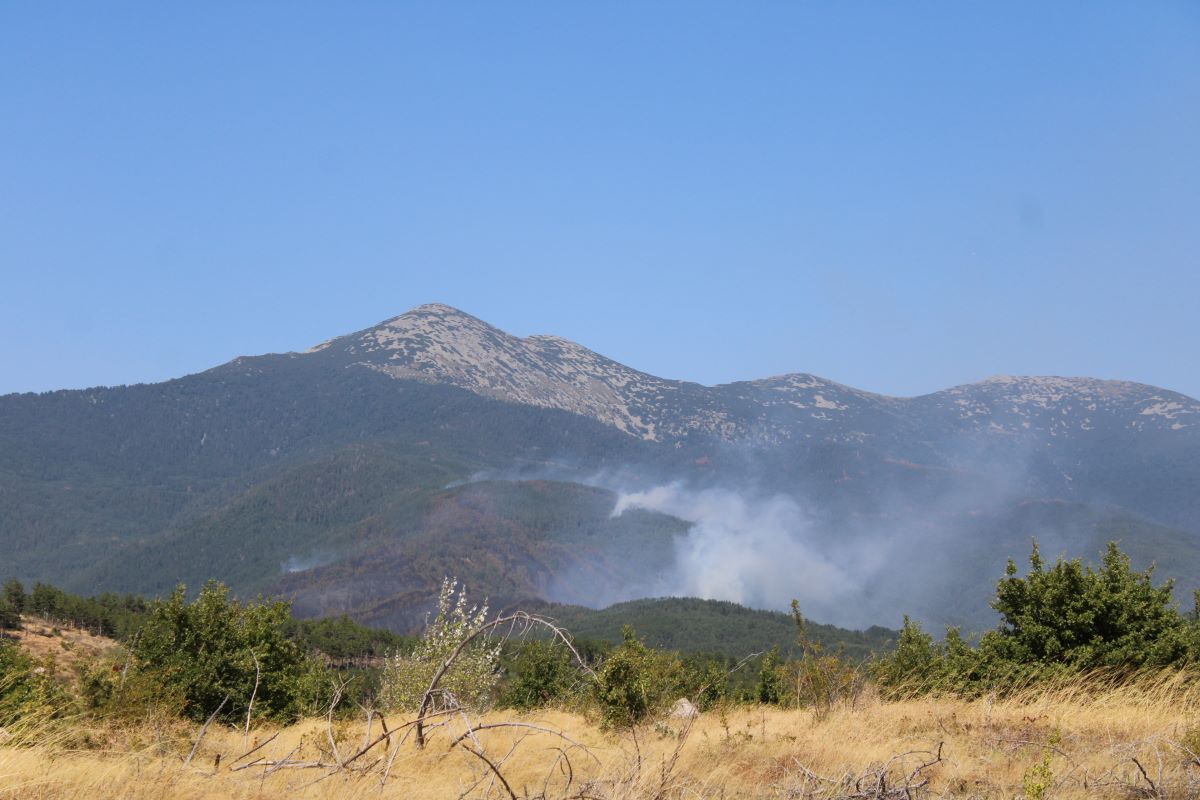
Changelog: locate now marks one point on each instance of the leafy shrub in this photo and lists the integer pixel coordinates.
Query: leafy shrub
(540, 674)
(1068, 618)
(216, 647)
(470, 680)
(709, 684)
(636, 682)
(773, 679)
(815, 680)
(1087, 618)
(28, 689)
(822, 679)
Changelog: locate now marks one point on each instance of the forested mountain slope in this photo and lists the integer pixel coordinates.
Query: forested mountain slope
(337, 474)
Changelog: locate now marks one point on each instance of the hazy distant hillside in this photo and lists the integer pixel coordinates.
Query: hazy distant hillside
(506, 542)
(334, 475)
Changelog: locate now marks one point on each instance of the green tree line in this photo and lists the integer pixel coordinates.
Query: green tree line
(254, 660)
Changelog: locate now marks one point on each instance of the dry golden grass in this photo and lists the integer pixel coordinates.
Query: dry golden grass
(66, 644)
(1080, 741)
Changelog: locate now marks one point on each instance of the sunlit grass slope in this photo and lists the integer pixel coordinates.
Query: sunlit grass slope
(1138, 740)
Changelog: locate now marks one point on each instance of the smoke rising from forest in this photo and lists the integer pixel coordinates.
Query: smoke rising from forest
(763, 552)
(933, 554)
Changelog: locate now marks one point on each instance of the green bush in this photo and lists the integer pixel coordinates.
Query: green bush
(28, 689)
(773, 679)
(822, 679)
(215, 647)
(540, 674)
(636, 682)
(1055, 621)
(710, 683)
(1074, 615)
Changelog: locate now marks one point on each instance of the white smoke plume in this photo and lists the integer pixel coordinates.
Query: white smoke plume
(763, 552)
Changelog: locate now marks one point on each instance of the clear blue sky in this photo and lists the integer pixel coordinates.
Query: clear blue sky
(898, 196)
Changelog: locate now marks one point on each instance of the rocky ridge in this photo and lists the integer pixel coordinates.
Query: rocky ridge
(440, 344)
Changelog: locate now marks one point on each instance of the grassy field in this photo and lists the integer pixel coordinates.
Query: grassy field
(1139, 740)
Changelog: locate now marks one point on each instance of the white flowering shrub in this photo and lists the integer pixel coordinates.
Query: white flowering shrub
(471, 679)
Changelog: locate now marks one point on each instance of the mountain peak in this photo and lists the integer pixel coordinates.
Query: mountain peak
(440, 308)
(437, 343)
(434, 309)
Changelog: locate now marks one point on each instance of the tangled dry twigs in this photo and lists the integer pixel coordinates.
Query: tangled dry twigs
(872, 783)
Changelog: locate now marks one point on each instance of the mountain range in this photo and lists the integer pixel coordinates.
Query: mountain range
(353, 476)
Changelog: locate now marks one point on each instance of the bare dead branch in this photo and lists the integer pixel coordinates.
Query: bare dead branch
(568, 771)
(388, 733)
(272, 766)
(256, 748)
(203, 731)
(495, 770)
(367, 732)
(253, 694)
(337, 696)
(1153, 789)
(129, 658)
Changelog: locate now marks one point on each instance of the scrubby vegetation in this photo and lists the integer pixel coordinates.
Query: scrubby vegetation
(1056, 623)
(471, 678)
(1072, 641)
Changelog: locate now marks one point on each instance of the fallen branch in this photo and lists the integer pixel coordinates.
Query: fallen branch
(872, 784)
(272, 766)
(1154, 791)
(387, 735)
(256, 747)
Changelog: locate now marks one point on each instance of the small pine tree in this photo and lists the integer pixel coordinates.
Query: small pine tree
(14, 593)
(1054, 620)
(10, 617)
(772, 679)
(1074, 615)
